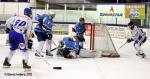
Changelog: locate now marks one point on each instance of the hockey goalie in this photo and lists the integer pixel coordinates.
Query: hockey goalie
(69, 48)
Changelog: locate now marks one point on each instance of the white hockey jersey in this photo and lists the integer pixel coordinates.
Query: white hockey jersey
(21, 24)
(137, 33)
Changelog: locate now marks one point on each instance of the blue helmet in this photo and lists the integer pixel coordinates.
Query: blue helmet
(27, 11)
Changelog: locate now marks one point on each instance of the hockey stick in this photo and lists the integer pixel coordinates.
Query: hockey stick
(58, 67)
(122, 45)
(54, 43)
(54, 49)
(55, 67)
(43, 51)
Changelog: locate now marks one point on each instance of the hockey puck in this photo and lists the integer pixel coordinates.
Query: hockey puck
(59, 68)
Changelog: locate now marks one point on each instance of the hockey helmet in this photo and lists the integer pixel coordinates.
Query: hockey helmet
(27, 11)
(131, 25)
(81, 19)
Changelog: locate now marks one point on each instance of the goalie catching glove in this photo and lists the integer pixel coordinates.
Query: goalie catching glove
(129, 40)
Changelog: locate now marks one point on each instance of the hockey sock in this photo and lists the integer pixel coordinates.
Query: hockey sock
(138, 48)
(48, 45)
(25, 55)
(40, 46)
(10, 54)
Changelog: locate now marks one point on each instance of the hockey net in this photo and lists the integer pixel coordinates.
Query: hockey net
(100, 40)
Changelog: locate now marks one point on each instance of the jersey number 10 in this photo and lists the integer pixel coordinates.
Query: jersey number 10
(20, 23)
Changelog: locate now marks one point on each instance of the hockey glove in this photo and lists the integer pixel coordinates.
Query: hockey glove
(30, 44)
(70, 39)
(129, 40)
(73, 30)
(7, 30)
(81, 39)
(49, 34)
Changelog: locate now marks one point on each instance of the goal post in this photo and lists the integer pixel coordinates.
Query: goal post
(101, 41)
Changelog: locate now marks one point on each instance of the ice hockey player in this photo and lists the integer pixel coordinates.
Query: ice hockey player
(19, 36)
(69, 48)
(139, 38)
(79, 29)
(43, 31)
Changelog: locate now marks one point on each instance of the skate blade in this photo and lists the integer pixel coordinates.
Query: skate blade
(6, 67)
(141, 56)
(48, 56)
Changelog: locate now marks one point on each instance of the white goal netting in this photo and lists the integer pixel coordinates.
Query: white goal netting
(101, 41)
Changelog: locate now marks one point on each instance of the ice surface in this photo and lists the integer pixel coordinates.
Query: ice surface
(128, 66)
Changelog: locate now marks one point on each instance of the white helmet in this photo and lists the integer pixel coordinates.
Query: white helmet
(52, 13)
(73, 36)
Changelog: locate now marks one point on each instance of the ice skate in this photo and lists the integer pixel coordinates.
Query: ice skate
(26, 67)
(6, 64)
(141, 55)
(48, 53)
